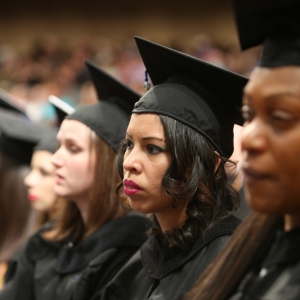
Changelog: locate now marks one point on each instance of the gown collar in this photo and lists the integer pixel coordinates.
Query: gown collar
(160, 262)
(128, 231)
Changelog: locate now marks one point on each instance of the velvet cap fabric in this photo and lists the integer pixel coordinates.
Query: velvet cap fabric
(275, 24)
(109, 117)
(200, 95)
(18, 136)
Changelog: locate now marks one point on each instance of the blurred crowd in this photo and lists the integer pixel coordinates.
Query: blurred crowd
(51, 67)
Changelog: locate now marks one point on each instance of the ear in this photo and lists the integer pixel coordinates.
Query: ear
(218, 161)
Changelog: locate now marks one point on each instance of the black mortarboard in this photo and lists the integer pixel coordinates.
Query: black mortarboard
(196, 93)
(6, 102)
(275, 24)
(49, 143)
(19, 136)
(109, 117)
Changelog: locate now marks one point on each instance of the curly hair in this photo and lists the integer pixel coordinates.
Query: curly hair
(193, 181)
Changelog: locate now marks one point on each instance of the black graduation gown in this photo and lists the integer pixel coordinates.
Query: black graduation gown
(278, 277)
(47, 270)
(167, 274)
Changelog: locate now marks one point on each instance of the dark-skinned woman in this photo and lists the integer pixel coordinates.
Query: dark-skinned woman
(262, 261)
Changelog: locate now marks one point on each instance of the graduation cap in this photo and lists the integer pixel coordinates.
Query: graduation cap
(62, 108)
(109, 117)
(49, 143)
(19, 136)
(193, 92)
(275, 24)
(7, 102)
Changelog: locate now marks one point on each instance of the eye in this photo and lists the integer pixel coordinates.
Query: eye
(73, 148)
(280, 115)
(128, 144)
(44, 172)
(247, 113)
(152, 149)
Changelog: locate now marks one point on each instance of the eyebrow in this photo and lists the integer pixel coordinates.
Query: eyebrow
(284, 94)
(148, 138)
(68, 139)
(271, 97)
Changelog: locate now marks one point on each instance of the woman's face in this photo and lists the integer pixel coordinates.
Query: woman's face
(145, 163)
(40, 181)
(271, 140)
(74, 161)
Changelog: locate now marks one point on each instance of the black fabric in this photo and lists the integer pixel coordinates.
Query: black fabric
(41, 274)
(110, 116)
(167, 274)
(7, 102)
(165, 261)
(107, 120)
(274, 24)
(19, 136)
(48, 143)
(278, 277)
(196, 93)
(122, 232)
(108, 88)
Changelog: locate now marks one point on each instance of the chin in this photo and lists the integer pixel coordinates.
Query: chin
(140, 208)
(265, 204)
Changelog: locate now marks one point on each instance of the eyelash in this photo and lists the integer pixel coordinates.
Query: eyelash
(73, 148)
(246, 113)
(151, 149)
(44, 172)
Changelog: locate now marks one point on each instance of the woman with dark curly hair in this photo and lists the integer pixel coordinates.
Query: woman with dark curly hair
(172, 162)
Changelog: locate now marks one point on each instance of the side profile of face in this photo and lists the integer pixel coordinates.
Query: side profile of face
(145, 163)
(271, 140)
(74, 161)
(40, 181)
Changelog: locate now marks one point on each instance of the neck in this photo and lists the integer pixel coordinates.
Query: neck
(291, 221)
(171, 218)
(82, 205)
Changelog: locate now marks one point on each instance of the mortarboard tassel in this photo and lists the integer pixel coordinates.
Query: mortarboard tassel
(146, 83)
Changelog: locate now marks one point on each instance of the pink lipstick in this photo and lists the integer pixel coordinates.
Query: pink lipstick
(130, 187)
(32, 198)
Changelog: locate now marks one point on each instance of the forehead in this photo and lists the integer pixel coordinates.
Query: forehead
(73, 128)
(266, 82)
(145, 124)
(41, 156)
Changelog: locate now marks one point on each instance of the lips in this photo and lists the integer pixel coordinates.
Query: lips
(255, 175)
(32, 198)
(130, 187)
(59, 179)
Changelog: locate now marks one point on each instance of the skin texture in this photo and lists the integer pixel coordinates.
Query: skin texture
(40, 181)
(271, 143)
(74, 161)
(145, 162)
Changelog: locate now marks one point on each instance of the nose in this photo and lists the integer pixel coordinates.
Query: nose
(132, 161)
(56, 158)
(254, 137)
(29, 179)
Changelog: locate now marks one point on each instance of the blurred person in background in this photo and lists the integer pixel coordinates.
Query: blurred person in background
(41, 179)
(17, 139)
(262, 260)
(94, 236)
(172, 163)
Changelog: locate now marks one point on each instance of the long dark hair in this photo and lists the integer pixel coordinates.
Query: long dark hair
(246, 249)
(14, 206)
(192, 181)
